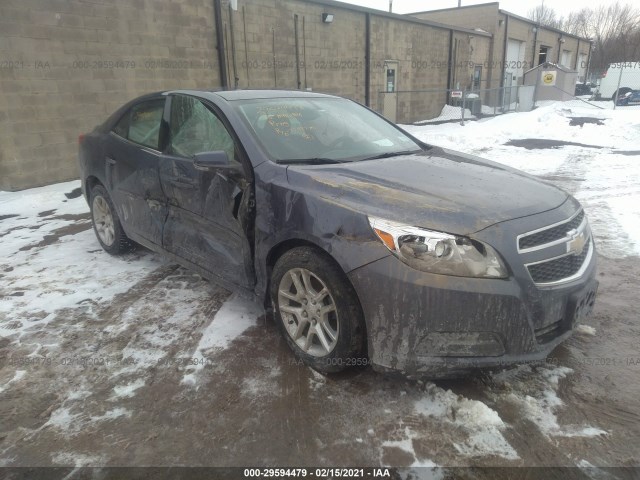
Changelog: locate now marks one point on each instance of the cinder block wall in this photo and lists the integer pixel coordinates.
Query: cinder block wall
(65, 65)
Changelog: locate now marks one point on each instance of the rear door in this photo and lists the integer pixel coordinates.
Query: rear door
(210, 213)
(132, 173)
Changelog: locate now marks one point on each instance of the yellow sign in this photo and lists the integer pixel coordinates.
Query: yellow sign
(548, 78)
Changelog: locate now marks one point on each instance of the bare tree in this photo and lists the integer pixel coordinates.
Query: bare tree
(614, 29)
(546, 16)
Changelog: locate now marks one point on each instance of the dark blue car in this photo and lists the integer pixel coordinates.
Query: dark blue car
(629, 98)
(369, 246)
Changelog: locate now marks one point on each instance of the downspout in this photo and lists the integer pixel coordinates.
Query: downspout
(535, 47)
(297, 44)
(222, 62)
(492, 45)
(504, 50)
(367, 61)
(559, 49)
(450, 64)
(236, 79)
(577, 55)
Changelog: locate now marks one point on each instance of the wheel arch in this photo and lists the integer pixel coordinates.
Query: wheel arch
(283, 247)
(90, 182)
(286, 245)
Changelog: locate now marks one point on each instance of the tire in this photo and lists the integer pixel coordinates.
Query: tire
(106, 223)
(620, 91)
(308, 319)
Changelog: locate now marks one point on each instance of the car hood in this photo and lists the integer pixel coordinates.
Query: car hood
(439, 189)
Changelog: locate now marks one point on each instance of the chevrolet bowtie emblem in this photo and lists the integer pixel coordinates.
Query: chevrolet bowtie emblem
(576, 243)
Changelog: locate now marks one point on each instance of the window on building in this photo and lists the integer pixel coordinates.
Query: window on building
(543, 55)
(565, 60)
(477, 77)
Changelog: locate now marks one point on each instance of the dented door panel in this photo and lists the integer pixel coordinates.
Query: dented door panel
(133, 178)
(205, 222)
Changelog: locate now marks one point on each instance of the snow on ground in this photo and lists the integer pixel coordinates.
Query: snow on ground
(537, 399)
(606, 180)
(31, 290)
(233, 318)
(51, 264)
(484, 425)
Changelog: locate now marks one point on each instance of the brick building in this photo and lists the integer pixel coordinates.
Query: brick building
(518, 43)
(66, 64)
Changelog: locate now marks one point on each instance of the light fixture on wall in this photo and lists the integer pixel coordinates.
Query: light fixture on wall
(562, 40)
(534, 29)
(327, 18)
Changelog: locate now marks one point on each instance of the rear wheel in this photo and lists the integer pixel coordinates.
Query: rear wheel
(106, 223)
(317, 310)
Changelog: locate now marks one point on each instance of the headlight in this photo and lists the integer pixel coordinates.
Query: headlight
(438, 252)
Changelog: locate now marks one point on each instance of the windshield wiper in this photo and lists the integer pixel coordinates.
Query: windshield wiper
(392, 154)
(309, 161)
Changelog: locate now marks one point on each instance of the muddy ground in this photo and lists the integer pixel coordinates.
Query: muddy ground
(143, 378)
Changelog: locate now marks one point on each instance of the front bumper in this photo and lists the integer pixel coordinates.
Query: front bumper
(440, 326)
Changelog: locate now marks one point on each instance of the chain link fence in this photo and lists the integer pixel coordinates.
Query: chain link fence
(422, 107)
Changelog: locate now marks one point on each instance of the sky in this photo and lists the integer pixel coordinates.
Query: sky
(519, 7)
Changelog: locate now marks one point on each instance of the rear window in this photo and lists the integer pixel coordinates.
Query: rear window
(141, 124)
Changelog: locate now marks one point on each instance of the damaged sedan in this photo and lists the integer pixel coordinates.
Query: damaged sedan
(369, 246)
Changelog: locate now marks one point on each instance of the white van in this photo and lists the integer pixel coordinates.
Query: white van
(630, 79)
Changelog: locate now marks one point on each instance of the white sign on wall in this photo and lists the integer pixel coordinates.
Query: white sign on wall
(548, 78)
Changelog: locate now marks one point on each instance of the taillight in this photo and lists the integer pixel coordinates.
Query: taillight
(80, 138)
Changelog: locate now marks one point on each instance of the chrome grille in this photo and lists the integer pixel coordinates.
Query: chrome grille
(559, 269)
(550, 235)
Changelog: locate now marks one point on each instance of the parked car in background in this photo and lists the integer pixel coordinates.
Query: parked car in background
(368, 245)
(620, 78)
(629, 98)
(582, 89)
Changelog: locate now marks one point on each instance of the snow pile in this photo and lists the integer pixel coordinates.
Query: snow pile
(447, 114)
(537, 398)
(482, 424)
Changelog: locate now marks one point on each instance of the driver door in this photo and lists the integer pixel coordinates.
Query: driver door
(210, 212)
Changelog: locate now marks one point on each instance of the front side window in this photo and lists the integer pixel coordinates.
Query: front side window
(196, 129)
(141, 124)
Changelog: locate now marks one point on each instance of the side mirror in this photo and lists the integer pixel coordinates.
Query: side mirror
(213, 160)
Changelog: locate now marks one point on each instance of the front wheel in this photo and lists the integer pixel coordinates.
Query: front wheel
(106, 223)
(317, 310)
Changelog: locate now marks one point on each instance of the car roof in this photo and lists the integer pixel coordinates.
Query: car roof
(232, 95)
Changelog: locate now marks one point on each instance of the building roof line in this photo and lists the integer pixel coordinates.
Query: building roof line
(504, 12)
(396, 16)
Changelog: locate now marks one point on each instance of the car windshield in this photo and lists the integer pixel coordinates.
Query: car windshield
(322, 130)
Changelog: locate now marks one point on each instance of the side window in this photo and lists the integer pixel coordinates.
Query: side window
(144, 123)
(196, 129)
(141, 124)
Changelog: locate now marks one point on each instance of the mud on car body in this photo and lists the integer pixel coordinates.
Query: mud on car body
(369, 245)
